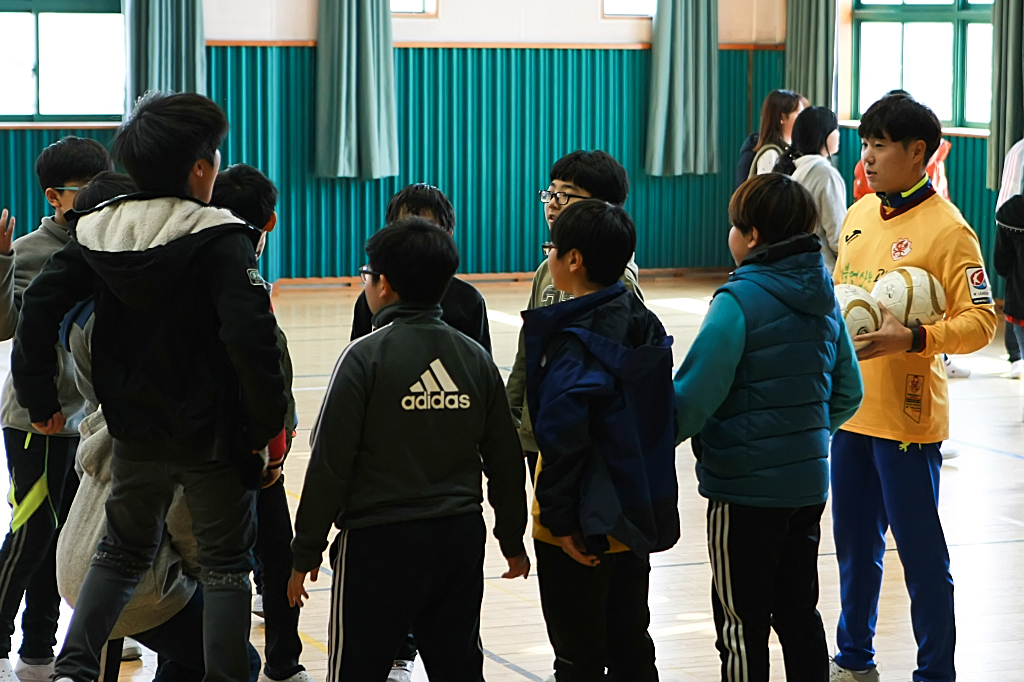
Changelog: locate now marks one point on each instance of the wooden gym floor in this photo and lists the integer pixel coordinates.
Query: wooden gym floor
(982, 512)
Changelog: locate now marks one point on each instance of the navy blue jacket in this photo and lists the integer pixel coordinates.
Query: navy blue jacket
(599, 384)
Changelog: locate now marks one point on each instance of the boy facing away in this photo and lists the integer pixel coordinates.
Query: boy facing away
(886, 459)
(769, 378)
(414, 414)
(599, 382)
(462, 306)
(41, 466)
(575, 177)
(186, 365)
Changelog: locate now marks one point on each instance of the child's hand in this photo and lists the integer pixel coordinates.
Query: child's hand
(297, 587)
(891, 338)
(51, 426)
(574, 546)
(6, 233)
(517, 566)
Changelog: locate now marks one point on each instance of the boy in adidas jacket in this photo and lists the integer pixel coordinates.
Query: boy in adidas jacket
(599, 383)
(414, 414)
(886, 459)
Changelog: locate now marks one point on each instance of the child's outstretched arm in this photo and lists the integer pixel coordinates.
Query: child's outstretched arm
(706, 375)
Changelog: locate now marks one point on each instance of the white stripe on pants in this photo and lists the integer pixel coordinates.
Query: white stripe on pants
(732, 631)
(335, 626)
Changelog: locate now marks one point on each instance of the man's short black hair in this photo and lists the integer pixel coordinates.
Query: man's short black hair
(164, 137)
(103, 187)
(597, 172)
(418, 258)
(71, 159)
(776, 204)
(602, 232)
(902, 119)
(414, 199)
(247, 193)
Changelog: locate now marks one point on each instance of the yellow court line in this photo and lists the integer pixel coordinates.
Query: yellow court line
(315, 643)
(494, 583)
(295, 495)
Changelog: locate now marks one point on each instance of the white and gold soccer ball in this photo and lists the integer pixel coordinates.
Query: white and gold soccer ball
(860, 311)
(914, 296)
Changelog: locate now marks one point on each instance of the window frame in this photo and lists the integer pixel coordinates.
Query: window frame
(37, 7)
(960, 13)
(606, 15)
(433, 14)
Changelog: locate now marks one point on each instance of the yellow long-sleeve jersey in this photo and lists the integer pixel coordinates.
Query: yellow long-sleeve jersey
(905, 394)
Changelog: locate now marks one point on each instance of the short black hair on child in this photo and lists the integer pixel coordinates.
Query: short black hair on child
(103, 187)
(72, 159)
(414, 199)
(164, 137)
(602, 232)
(776, 204)
(247, 193)
(418, 258)
(597, 172)
(902, 119)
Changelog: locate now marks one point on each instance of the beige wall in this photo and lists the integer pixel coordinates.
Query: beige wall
(491, 21)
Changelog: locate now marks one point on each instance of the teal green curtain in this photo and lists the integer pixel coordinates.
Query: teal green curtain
(682, 123)
(811, 50)
(1007, 85)
(356, 123)
(166, 47)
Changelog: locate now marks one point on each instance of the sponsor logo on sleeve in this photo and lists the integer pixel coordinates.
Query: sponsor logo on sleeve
(979, 287)
(435, 390)
(914, 397)
(255, 278)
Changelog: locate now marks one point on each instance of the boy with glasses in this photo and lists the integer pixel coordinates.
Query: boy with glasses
(42, 481)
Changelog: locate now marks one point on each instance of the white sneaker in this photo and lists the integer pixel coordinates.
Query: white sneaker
(401, 671)
(301, 676)
(955, 371)
(838, 674)
(257, 606)
(1017, 369)
(6, 671)
(949, 452)
(131, 651)
(34, 673)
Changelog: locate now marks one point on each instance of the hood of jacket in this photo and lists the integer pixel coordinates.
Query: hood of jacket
(140, 242)
(793, 272)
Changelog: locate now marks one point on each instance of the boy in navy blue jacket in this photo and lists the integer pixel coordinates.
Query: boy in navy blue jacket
(599, 384)
(771, 375)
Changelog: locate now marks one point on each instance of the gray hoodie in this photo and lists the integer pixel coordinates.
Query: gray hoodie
(17, 270)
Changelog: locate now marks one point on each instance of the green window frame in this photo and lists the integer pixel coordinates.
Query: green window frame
(36, 7)
(960, 13)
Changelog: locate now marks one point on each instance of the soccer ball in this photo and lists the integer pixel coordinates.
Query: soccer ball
(860, 311)
(912, 295)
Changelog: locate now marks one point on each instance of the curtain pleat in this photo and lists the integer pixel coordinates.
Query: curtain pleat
(1007, 125)
(682, 125)
(356, 121)
(811, 50)
(166, 47)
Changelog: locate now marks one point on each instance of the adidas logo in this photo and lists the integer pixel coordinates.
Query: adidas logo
(435, 391)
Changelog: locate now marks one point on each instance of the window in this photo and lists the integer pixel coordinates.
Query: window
(424, 7)
(47, 70)
(630, 8)
(940, 51)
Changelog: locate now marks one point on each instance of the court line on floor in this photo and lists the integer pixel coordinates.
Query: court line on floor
(1004, 453)
(511, 666)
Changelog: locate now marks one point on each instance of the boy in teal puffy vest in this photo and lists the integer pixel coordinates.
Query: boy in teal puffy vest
(770, 377)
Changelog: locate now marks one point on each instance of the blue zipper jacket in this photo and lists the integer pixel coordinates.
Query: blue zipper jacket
(771, 375)
(599, 384)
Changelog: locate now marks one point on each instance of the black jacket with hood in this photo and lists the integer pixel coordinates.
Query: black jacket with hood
(185, 356)
(1009, 254)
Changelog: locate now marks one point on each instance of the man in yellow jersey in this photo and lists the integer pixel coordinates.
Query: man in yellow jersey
(886, 460)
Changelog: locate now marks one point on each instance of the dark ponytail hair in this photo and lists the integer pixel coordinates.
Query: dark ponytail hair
(777, 104)
(810, 134)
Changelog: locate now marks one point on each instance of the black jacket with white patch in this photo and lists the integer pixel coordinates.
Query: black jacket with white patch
(185, 356)
(414, 414)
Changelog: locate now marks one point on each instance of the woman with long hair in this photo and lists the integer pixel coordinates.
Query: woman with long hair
(778, 114)
(809, 160)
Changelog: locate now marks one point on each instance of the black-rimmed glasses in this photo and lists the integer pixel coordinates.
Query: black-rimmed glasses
(366, 272)
(548, 247)
(560, 198)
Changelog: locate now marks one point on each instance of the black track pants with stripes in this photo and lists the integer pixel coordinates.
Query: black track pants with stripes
(764, 565)
(43, 483)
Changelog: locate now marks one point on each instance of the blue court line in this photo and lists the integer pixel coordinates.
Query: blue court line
(511, 666)
(993, 451)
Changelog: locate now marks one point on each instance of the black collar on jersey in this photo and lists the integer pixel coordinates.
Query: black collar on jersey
(898, 203)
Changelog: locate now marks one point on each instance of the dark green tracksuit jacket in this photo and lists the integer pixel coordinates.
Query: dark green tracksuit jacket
(413, 416)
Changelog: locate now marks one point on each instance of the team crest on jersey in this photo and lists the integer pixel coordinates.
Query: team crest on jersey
(435, 390)
(901, 249)
(977, 284)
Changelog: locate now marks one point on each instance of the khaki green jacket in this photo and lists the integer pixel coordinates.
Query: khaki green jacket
(544, 293)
